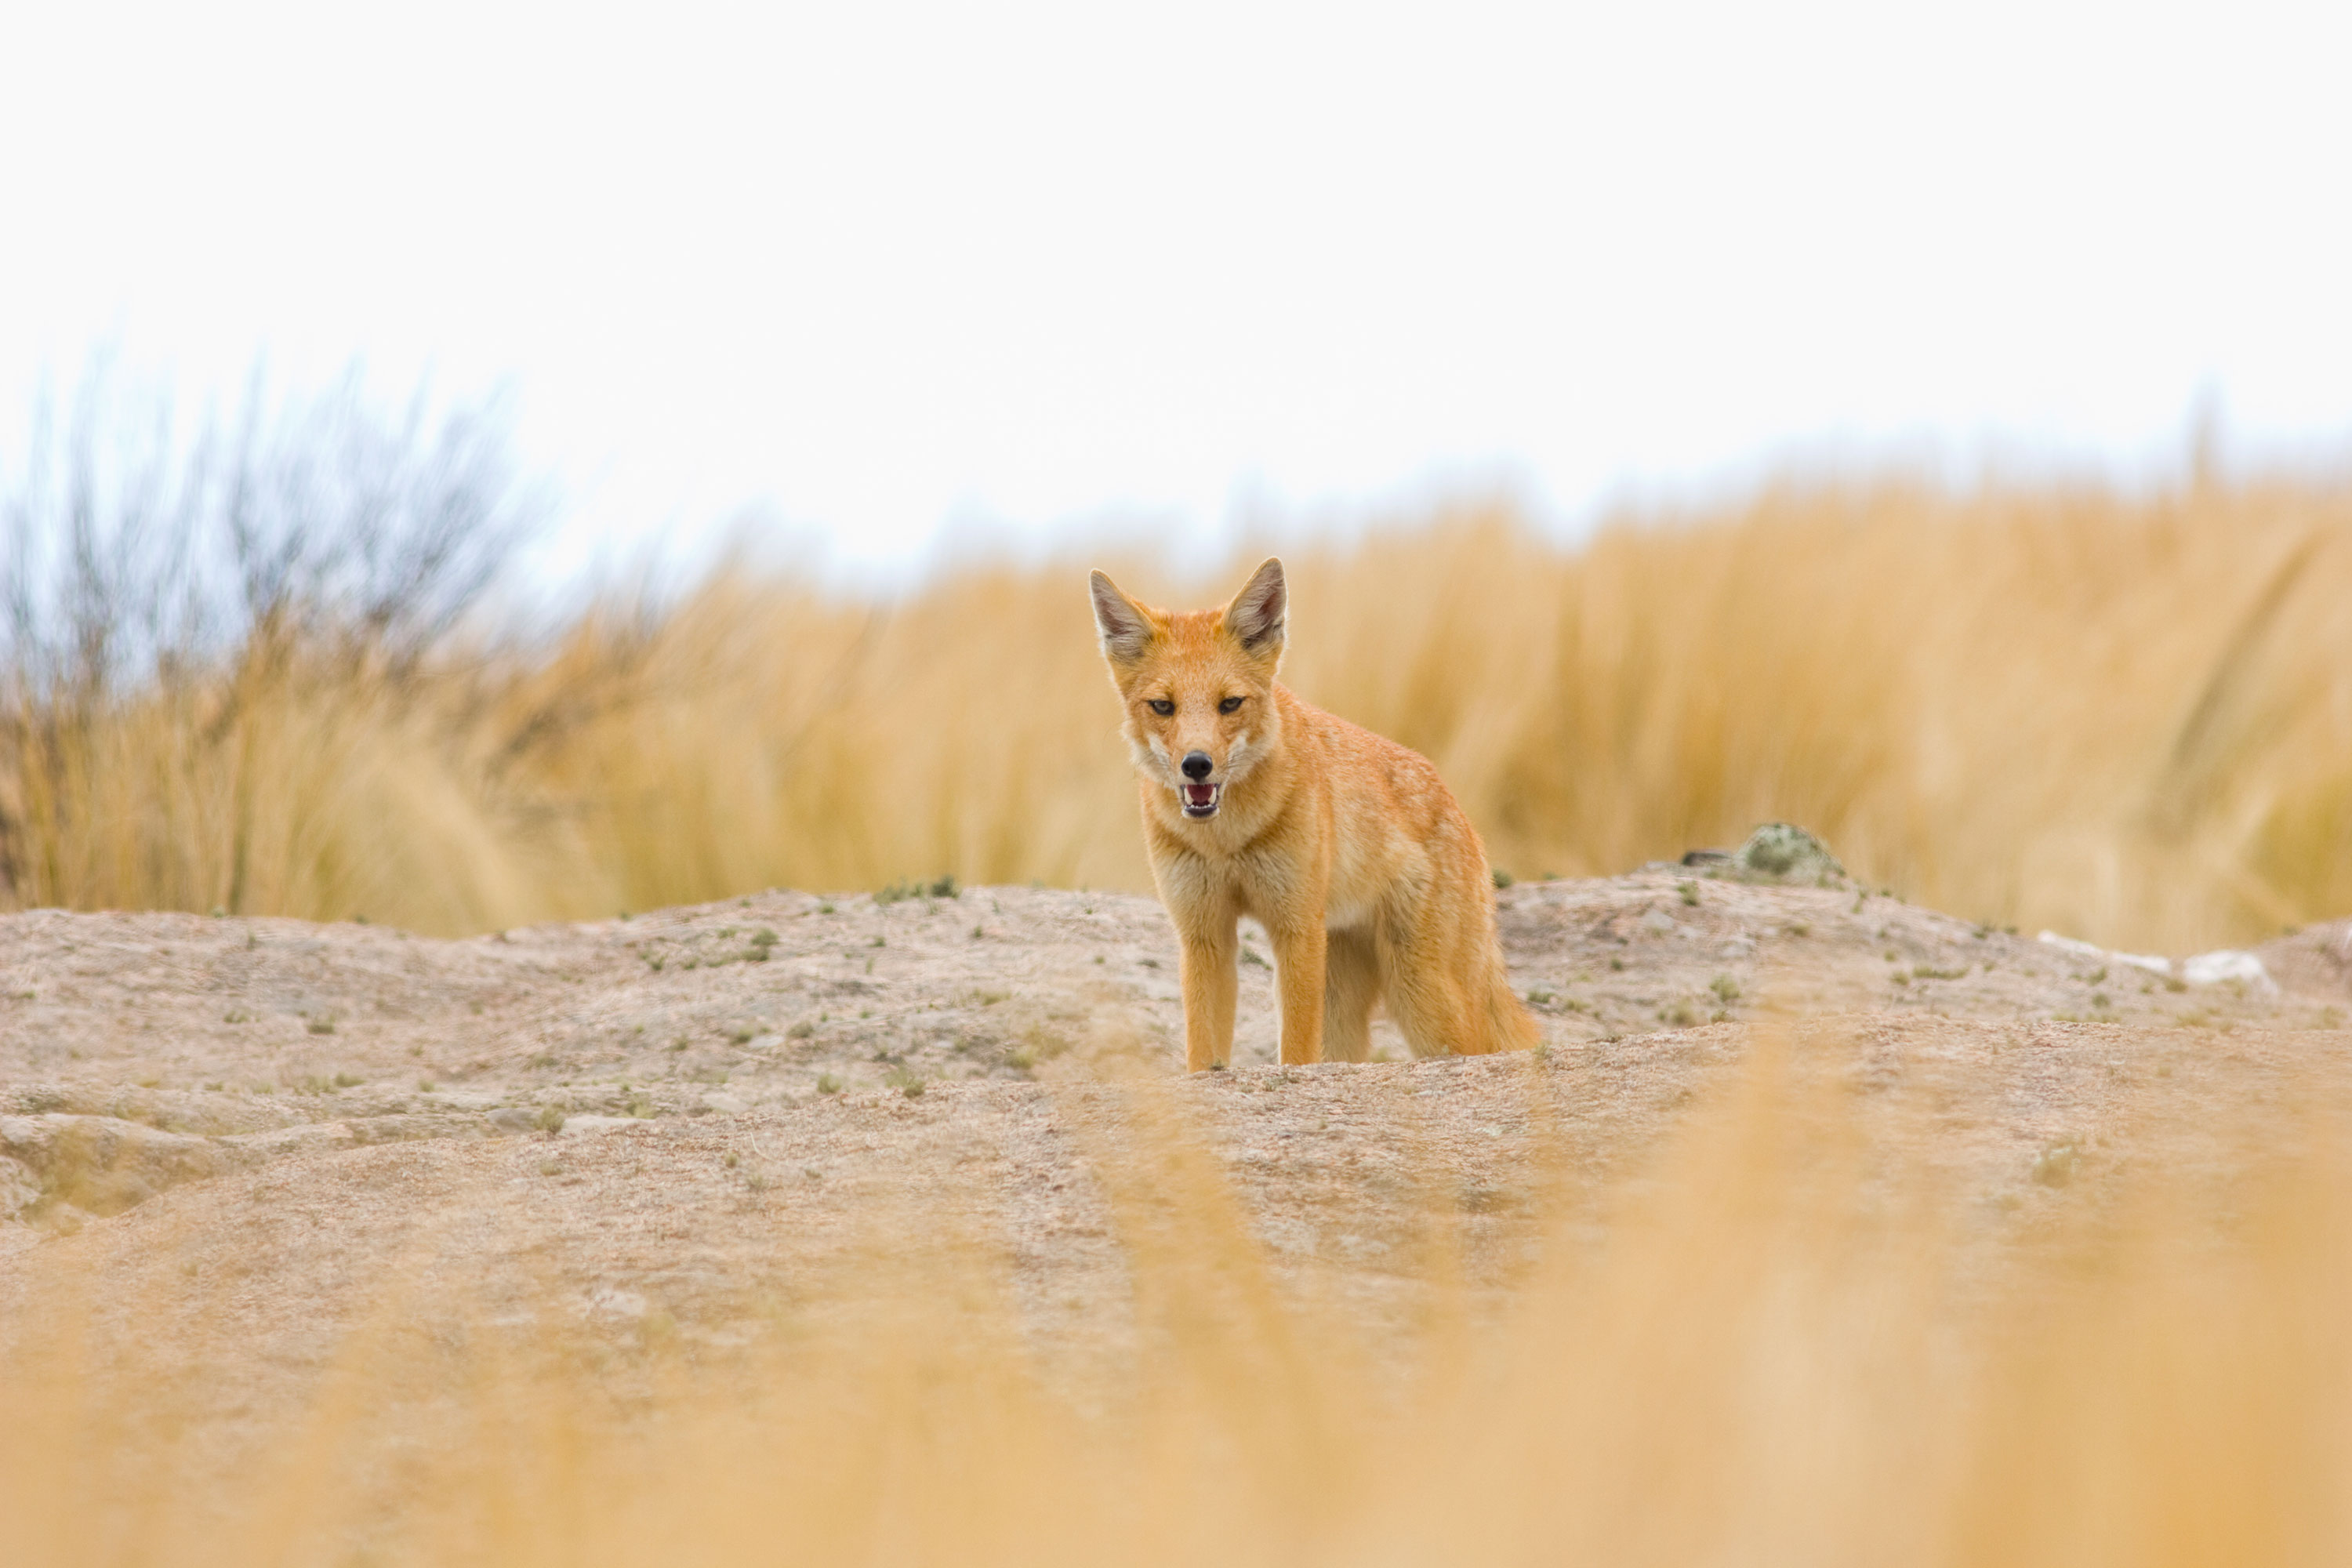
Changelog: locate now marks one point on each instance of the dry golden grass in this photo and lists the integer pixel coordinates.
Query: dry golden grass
(2128, 719)
(1787, 1349)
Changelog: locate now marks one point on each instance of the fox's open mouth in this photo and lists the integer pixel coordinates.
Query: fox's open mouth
(1200, 799)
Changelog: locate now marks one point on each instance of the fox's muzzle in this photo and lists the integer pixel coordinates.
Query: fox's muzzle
(1199, 795)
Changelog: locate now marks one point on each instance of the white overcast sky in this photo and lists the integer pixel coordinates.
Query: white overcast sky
(885, 270)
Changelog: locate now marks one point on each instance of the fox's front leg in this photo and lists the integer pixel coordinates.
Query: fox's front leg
(1299, 954)
(1210, 985)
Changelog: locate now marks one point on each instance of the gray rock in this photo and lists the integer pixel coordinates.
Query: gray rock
(19, 1188)
(575, 1125)
(104, 1165)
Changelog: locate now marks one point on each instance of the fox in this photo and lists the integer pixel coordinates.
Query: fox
(1348, 847)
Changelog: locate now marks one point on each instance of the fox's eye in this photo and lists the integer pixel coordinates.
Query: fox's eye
(1229, 704)
(1162, 706)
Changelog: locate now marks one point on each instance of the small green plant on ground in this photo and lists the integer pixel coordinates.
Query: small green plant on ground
(941, 887)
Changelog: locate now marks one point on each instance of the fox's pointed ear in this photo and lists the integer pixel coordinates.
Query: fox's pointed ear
(1259, 612)
(1121, 623)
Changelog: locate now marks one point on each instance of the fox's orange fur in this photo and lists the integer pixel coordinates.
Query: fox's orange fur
(1348, 847)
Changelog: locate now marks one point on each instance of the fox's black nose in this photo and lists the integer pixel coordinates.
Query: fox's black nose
(1197, 764)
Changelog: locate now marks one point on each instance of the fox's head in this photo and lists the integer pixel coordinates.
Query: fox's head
(1198, 685)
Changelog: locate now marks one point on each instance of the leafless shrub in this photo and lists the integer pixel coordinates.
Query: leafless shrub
(135, 549)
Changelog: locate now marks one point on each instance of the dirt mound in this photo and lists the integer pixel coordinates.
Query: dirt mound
(230, 1131)
(140, 1052)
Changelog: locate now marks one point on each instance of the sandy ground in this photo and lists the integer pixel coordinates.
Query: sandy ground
(264, 1134)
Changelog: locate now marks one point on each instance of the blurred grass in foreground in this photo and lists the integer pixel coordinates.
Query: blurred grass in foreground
(2130, 719)
(1788, 1344)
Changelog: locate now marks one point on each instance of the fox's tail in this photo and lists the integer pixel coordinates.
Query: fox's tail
(1508, 1026)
